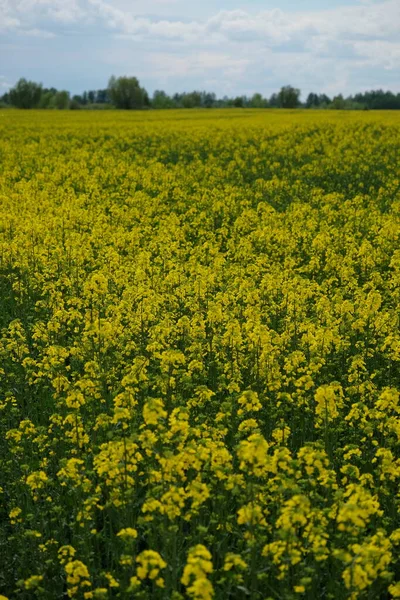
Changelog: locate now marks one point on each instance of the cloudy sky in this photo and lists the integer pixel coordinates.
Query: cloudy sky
(226, 46)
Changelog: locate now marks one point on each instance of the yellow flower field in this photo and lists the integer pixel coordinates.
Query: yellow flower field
(199, 355)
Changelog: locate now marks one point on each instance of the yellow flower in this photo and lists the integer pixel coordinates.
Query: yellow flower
(153, 411)
(299, 589)
(201, 589)
(77, 577)
(33, 582)
(394, 589)
(360, 506)
(149, 565)
(249, 402)
(253, 455)
(36, 480)
(234, 560)
(195, 573)
(112, 582)
(328, 399)
(100, 593)
(251, 515)
(15, 515)
(127, 534)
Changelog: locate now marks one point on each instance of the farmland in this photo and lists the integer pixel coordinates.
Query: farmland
(199, 355)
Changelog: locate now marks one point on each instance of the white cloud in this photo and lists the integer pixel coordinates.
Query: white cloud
(325, 46)
(8, 21)
(380, 53)
(198, 63)
(272, 27)
(366, 21)
(63, 11)
(21, 17)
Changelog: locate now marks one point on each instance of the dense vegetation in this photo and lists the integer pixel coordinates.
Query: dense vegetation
(199, 355)
(126, 93)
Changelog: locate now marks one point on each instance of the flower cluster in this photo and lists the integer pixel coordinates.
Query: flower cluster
(200, 355)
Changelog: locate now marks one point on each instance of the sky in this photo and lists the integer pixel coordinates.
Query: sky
(230, 47)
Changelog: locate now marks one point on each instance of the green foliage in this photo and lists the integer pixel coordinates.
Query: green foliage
(257, 101)
(126, 93)
(25, 94)
(289, 97)
(338, 103)
(61, 100)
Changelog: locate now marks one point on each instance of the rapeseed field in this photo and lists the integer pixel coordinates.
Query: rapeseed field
(199, 355)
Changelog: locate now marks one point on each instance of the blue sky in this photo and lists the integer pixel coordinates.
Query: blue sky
(232, 48)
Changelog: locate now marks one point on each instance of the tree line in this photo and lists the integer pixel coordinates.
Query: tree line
(127, 93)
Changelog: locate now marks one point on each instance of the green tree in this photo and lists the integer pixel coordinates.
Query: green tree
(208, 99)
(47, 99)
(161, 100)
(378, 99)
(312, 100)
(102, 96)
(26, 94)
(338, 103)
(257, 101)
(75, 104)
(324, 100)
(274, 101)
(125, 92)
(5, 100)
(238, 102)
(191, 100)
(289, 97)
(61, 100)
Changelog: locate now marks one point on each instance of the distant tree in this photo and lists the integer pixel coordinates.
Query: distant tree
(324, 100)
(75, 104)
(238, 102)
(257, 101)
(274, 101)
(146, 99)
(61, 100)
(102, 96)
(312, 101)
(195, 99)
(125, 92)
(5, 99)
(46, 99)
(352, 104)
(177, 100)
(378, 99)
(26, 94)
(191, 99)
(161, 100)
(208, 99)
(77, 98)
(289, 97)
(338, 103)
(224, 102)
